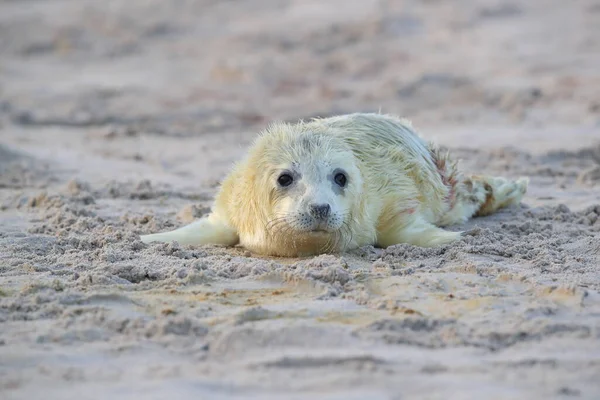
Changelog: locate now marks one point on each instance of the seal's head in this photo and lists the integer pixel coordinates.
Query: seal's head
(309, 184)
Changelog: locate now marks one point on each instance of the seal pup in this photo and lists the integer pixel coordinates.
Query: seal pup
(334, 184)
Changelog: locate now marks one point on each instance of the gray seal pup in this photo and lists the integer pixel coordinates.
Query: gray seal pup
(334, 184)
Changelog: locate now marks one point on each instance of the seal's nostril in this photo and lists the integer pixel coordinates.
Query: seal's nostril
(320, 211)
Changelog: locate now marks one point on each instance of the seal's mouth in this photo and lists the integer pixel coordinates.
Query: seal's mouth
(320, 228)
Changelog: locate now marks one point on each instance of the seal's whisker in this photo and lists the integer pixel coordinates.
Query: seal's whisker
(273, 225)
(348, 228)
(338, 239)
(326, 248)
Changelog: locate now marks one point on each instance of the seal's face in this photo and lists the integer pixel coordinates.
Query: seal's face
(313, 185)
(311, 198)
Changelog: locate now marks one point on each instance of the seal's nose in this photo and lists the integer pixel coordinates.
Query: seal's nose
(319, 211)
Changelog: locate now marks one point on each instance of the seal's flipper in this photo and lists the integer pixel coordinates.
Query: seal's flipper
(418, 233)
(501, 193)
(208, 230)
(483, 195)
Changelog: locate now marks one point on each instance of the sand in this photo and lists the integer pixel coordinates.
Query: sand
(120, 118)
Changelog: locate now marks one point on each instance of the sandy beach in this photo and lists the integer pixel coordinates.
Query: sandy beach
(120, 118)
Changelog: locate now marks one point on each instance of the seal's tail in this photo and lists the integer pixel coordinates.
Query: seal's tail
(483, 195)
(207, 230)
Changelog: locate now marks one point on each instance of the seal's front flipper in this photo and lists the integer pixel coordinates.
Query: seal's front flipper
(208, 230)
(418, 233)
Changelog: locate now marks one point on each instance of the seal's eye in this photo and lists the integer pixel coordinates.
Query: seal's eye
(285, 180)
(340, 179)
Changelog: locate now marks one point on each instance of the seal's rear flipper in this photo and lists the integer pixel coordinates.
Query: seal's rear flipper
(500, 193)
(208, 230)
(483, 195)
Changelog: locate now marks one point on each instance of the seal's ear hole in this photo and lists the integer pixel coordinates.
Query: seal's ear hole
(340, 179)
(285, 180)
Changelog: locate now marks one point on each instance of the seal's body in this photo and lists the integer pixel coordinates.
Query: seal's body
(338, 183)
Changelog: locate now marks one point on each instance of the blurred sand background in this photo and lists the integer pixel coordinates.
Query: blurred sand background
(120, 117)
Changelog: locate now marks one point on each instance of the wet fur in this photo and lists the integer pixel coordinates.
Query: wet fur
(402, 190)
